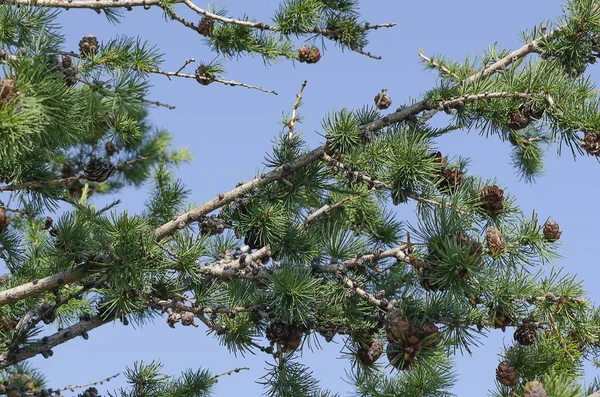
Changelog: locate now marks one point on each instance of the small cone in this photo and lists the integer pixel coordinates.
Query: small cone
(3, 220)
(314, 55)
(438, 158)
(518, 121)
(495, 241)
(287, 336)
(205, 26)
(8, 91)
(507, 374)
(591, 143)
(303, 53)
(203, 76)
(451, 179)
(383, 101)
(492, 200)
(552, 231)
(534, 388)
(398, 357)
(397, 329)
(526, 334)
(370, 353)
(88, 45)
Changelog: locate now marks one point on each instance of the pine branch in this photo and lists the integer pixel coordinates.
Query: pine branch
(326, 210)
(232, 83)
(62, 181)
(439, 66)
(53, 340)
(37, 287)
(235, 370)
(98, 382)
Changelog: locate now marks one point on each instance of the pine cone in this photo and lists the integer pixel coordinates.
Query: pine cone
(438, 158)
(288, 336)
(517, 120)
(398, 357)
(591, 142)
(530, 111)
(492, 200)
(495, 241)
(526, 334)
(433, 336)
(205, 26)
(68, 169)
(382, 101)
(314, 55)
(507, 374)
(371, 352)
(8, 91)
(552, 231)
(88, 45)
(3, 220)
(534, 388)
(203, 76)
(187, 319)
(451, 179)
(500, 319)
(110, 148)
(303, 53)
(48, 313)
(98, 170)
(398, 329)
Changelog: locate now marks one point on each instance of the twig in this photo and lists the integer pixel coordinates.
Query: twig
(439, 66)
(292, 121)
(232, 83)
(325, 210)
(98, 382)
(236, 370)
(365, 53)
(157, 103)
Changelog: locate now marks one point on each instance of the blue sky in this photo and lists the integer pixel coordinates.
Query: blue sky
(229, 129)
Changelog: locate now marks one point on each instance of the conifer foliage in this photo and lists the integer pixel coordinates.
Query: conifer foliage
(311, 249)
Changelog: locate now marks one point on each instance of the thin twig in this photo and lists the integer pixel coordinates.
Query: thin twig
(157, 103)
(235, 370)
(98, 382)
(292, 121)
(439, 66)
(326, 209)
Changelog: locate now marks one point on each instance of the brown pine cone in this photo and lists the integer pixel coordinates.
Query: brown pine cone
(398, 357)
(8, 91)
(303, 53)
(205, 26)
(507, 374)
(591, 142)
(382, 101)
(371, 352)
(398, 329)
(451, 179)
(552, 231)
(526, 334)
(3, 220)
(495, 241)
(433, 336)
(518, 120)
(288, 336)
(492, 200)
(88, 45)
(438, 158)
(314, 55)
(534, 388)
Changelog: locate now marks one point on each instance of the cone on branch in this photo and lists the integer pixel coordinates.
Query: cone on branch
(517, 120)
(205, 26)
(534, 388)
(98, 170)
(314, 55)
(500, 320)
(3, 219)
(492, 200)
(451, 179)
(303, 53)
(438, 158)
(8, 91)
(369, 353)
(526, 334)
(382, 101)
(203, 75)
(507, 374)
(287, 336)
(398, 358)
(495, 241)
(88, 45)
(591, 142)
(552, 231)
